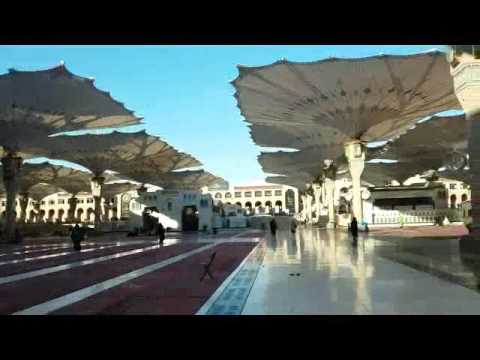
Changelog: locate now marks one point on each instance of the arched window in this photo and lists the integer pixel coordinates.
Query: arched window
(453, 201)
(258, 204)
(218, 195)
(90, 214)
(278, 203)
(238, 203)
(228, 195)
(51, 214)
(464, 198)
(61, 212)
(248, 204)
(268, 203)
(79, 214)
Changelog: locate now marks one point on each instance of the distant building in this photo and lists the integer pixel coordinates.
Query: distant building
(257, 199)
(54, 208)
(175, 209)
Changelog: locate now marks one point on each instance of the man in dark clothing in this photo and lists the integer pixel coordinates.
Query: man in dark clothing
(354, 230)
(293, 226)
(161, 233)
(273, 227)
(18, 236)
(77, 236)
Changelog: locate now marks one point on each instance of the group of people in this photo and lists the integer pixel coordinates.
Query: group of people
(353, 228)
(273, 227)
(159, 231)
(78, 235)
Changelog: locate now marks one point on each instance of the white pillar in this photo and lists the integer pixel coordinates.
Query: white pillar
(304, 207)
(12, 165)
(317, 191)
(309, 208)
(330, 198)
(465, 70)
(96, 184)
(355, 153)
(297, 200)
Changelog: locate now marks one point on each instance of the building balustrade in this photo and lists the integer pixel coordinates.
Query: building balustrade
(388, 217)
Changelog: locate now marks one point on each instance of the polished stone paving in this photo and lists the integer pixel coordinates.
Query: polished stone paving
(320, 272)
(314, 271)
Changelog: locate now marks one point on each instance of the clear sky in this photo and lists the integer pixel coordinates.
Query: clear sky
(184, 92)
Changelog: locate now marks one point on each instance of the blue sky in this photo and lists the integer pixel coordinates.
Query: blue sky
(183, 92)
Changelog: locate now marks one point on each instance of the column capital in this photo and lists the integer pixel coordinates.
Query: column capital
(355, 150)
(466, 81)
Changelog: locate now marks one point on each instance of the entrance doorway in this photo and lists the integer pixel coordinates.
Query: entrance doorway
(190, 218)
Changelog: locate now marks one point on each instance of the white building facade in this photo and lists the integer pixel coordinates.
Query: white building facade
(258, 199)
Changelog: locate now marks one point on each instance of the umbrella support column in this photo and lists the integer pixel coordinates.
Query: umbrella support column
(23, 200)
(97, 183)
(72, 207)
(317, 191)
(465, 71)
(11, 171)
(106, 210)
(37, 209)
(308, 208)
(355, 153)
(330, 192)
(330, 174)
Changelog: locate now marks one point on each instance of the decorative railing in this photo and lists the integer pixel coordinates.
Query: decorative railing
(416, 216)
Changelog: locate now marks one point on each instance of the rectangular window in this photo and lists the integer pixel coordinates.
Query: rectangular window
(268, 192)
(453, 186)
(169, 206)
(61, 201)
(52, 202)
(258, 193)
(248, 194)
(43, 202)
(278, 192)
(238, 194)
(89, 200)
(3, 203)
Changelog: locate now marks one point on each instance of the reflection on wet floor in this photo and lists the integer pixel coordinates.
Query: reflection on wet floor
(440, 257)
(336, 277)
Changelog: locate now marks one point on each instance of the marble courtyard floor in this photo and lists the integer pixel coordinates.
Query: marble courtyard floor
(320, 272)
(314, 271)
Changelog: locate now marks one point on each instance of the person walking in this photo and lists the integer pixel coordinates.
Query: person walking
(76, 237)
(293, 227)
(273, 227)
(354, 230)
(160, 233)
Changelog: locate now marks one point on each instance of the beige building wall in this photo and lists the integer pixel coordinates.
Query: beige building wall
(457, 192)
(55, 208)
(265, 196)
